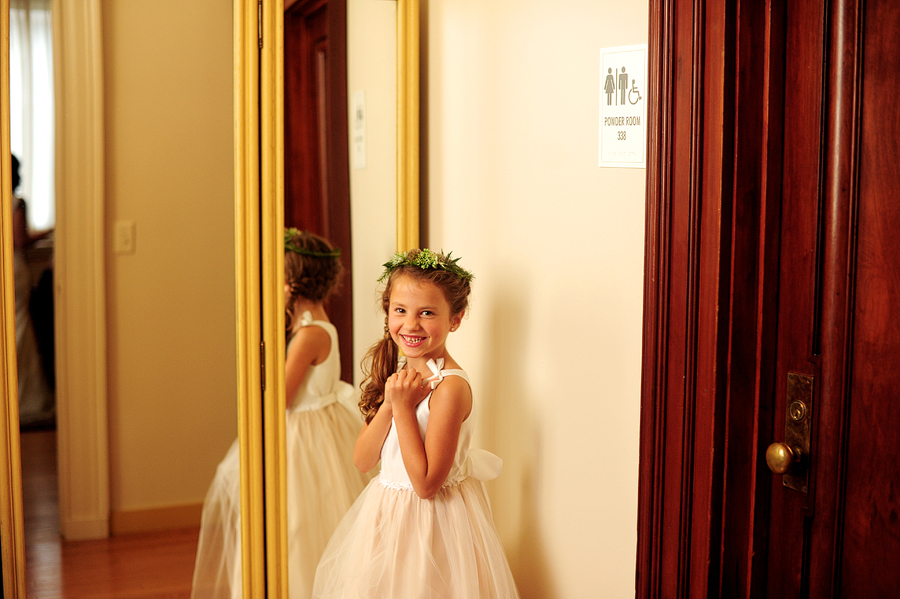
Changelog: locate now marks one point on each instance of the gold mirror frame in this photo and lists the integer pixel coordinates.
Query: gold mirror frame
(258, 98)
(11, 516)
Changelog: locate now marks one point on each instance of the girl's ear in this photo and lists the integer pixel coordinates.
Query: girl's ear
(455, 321)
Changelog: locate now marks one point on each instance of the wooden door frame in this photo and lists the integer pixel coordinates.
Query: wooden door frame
(685, 300)
(713, 196)
(705, 296)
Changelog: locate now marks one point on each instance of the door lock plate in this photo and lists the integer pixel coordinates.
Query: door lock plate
(797, 429)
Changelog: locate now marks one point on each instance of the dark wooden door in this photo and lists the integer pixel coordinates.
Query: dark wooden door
(316, 170)
(839, 296)
(773, 228)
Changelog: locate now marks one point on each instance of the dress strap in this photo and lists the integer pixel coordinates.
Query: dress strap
(438, 372)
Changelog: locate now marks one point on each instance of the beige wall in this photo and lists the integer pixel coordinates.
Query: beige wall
(169, 168)
(553, 340)
(371, 69)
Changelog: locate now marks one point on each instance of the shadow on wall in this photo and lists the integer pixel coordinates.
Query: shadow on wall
(508, 428)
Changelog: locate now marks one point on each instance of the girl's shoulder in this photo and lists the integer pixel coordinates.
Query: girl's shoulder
(452, 394)
(310, 323)
(454, 381)
(312, 342)
(310, 333)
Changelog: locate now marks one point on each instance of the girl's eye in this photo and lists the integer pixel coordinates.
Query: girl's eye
(399, 310)
(427, 313)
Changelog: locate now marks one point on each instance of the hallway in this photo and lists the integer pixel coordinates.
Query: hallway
(144, 566)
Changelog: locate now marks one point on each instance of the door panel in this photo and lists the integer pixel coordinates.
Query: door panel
(793, 147)
(870, 531)
(799, 287)
(835, 240)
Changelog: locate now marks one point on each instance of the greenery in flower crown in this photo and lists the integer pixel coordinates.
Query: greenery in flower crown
(293, 232)
(426, 259)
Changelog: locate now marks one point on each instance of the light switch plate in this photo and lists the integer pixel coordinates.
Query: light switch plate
(123, 237)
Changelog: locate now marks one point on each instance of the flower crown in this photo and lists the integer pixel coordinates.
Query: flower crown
(426, 259)
(293, 232)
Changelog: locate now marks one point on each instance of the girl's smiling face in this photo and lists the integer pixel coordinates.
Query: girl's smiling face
(419, 318)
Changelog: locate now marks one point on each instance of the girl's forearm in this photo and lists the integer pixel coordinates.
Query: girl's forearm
(367, 451)
(425, 482)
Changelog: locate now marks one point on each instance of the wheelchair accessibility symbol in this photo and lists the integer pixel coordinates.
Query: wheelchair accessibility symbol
(634, 92)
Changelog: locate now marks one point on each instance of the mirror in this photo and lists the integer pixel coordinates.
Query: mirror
(272, 446)
(89, 450)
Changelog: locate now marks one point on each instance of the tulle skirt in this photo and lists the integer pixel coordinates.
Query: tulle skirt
(392, 544)
(217, 569)
(322, 484)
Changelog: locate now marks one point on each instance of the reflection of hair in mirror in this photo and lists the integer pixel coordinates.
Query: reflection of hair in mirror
(23, 237)
(381, 359)
(311, 271)
(16, 177)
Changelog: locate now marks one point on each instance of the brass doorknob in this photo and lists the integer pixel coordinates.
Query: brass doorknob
(780, 457)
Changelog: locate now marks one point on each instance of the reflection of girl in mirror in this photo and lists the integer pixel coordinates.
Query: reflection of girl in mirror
(423, 528)
(37, 403)
(321, 427)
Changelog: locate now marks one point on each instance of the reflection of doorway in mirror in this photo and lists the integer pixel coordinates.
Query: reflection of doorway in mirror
(316, 169)
(31, 100)
(31, 92)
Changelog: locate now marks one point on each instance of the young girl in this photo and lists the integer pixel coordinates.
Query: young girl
(423, 528)
(322, 482)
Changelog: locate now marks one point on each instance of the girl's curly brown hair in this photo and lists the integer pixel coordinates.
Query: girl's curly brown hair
(381, 359)
(312, 277)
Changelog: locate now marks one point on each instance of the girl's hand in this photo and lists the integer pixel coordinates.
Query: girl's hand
(406, 388)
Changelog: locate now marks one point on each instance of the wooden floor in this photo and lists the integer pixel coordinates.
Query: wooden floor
(130, 566)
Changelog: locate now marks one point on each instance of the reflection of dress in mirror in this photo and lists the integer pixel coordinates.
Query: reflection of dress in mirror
(36, 397)
(322, 423)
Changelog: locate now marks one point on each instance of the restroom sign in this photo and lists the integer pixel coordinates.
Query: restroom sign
(623, 106)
